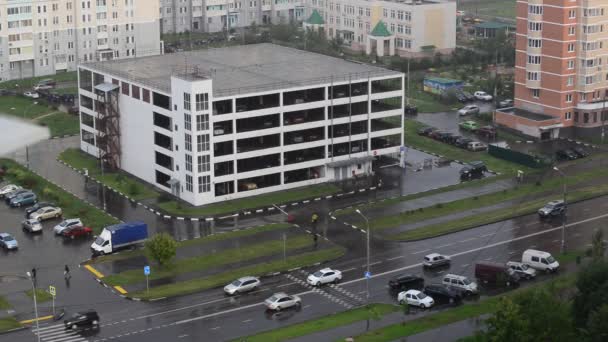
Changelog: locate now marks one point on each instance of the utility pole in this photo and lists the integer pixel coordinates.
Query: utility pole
(367, 274)
(603, 117)
(103, 188)
(564, 192)
(31, 276)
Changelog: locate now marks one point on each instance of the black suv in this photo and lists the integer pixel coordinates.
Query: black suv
(440, 290)
(80, 319)
(473, 169)
(566, 155)
(408, 281)
(553, 208)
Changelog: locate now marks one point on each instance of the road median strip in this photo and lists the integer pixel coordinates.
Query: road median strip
(120, 289)
(94, 271)
(33, 320)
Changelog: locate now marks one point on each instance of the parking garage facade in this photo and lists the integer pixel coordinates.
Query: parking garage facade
(212, 144)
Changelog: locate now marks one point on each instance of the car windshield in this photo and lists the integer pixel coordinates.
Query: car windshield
(421, 295)
(550, 259)
(64, 223)
(273, 299)
(99, 241)
(318, 274)
(8, 238)
(466, 281)
(524, 267)
(236, 283)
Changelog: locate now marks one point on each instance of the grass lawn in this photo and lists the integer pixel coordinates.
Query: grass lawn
(4, 305)
(193, 242)
(200, 284)
(496, 8)
(41, 295)
(118, 180)
(62, 77)
(266, 200)
(22, 107)
(494, 216)
(428, 103)
(327, 322)
(46, 191)
(8, 323)
(199, 263)
(61, 124)
(427, 144)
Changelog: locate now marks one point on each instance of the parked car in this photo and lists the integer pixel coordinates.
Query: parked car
(324, 276)
(425, 130)
(468, 110)
(31, 225)
(218, 130)
(46, 213)
(507, 103)
(442, 291)
(410, 109)
(8, 242)
(408, 281)
(80, 319)
(241, 285)
(469, 96)
(281, 300)
(524, 271)
(565, 155)
(8, 197)
(444, 136)
(473, 169)
(32, 94)
(27, 198)
(7, 189)
(495, 273)
(461, 98)
(248, 186)
(580, 152)
(461, 283)
(463, 142)
(468, 125)
(45, 84)
(476, 146)
(298, 139)
(36, 207)
(76, 232)
(553, 208)
(436, 260)
(453, 139)
(483, 96)
(415, 298)
(69, 223)
(489, 132)
(539, 260)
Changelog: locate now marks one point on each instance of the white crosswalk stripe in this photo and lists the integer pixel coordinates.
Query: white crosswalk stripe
(58, 333)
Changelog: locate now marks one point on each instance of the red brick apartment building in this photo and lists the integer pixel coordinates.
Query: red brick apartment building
(561, 71)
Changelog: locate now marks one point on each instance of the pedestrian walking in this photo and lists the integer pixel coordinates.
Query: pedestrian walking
(34, 273)
(66, 273)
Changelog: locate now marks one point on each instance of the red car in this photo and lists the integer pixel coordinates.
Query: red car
(77, 231)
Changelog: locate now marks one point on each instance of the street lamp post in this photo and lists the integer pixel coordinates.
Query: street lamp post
(30, 275)
(368, 253)
(564, 192)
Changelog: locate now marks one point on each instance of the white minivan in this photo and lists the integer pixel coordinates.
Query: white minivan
(540, 260)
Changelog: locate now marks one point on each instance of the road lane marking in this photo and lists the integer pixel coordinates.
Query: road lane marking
(182, 336)
(287, 284)
(247, 320)
(467, 240)
(446, 245)
(47, 328)
(120, 289)
(422, 251)
(94, 271)
(464, 265)
(375, 263)
(349, 270)
(215, 328)
(486, 235)
(395, 258)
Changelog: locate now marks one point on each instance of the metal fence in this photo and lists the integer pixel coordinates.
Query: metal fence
(518, 157)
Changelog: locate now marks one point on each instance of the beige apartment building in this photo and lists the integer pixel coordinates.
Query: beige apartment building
(40, 38)
(561, 77)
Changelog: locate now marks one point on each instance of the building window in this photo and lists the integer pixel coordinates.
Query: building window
(571, 64)
(535, 26)
(202, 142)
(571, 47)
(145, 95)
(570, 81)
(203, 164)
(188, 139)
(188, 183)
(202, 122)
(125, 88)
(585, 117)
(186, 101)
(135, 91)
(202, 102)
(535, 9)
(533, 59)
(187, 122)
(571, 30)
(188, 162)
(533, 76)
(204, 184)
(535, 43)
(535, 93)
(568, 98)
(571, 14)
(568, 116)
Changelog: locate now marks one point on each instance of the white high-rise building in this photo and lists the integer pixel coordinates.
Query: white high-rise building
(40, 38)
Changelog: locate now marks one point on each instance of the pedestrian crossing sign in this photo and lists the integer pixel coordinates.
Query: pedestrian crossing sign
(52, 290)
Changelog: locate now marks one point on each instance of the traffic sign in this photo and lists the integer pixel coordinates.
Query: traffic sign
(402, 149)
(147, 270)
(368, 275)
(52, 291)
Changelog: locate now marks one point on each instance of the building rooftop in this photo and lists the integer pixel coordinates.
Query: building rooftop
(526, 114)
(492, 25)
(380, 30)
(315, 18)
(241, 69)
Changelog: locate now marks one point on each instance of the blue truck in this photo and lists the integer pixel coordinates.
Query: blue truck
(120, 236)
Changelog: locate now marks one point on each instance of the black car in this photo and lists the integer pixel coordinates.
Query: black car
(453, 139)
(566, 155)
(410, 109)
(408, 281)
(35, 207)
(425, 130)
(469, 96)
(463, 142)
(80, 319)
(444, 137)
(440, 290)
(461, 98)
(580, 152)
(473, 169)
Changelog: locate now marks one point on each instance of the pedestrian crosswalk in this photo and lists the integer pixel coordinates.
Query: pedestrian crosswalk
(58, 333)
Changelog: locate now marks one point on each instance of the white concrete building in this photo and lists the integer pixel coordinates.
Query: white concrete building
(40, 38)
(240, 121)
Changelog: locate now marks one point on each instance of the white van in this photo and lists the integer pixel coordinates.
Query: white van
(540, 260)
(460, 283)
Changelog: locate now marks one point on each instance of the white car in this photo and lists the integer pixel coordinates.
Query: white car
(415, 298)
(31, 94)
(282, 300)
(436, 260)
(46, 213)
(523, 270)
(482, 96)
(324, 276)
(470, 109)
(8, 189)
(244, 284)
(69, 223)
(31, 225)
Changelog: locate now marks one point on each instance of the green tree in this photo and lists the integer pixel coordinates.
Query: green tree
(507, 323)
(592, 286)
(597, 245)
(597, 329)
(161, 248)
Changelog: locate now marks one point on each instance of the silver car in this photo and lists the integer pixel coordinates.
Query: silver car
(32, 225)
(436, 260)
(241, 285)
(282, 300)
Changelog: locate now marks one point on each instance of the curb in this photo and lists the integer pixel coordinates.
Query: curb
(64, 136)
(13, 330)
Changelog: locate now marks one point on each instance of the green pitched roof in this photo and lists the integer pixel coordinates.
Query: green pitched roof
(491, 25)
(380, 30)
(315, 19)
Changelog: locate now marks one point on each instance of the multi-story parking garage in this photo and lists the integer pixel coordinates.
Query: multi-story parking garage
(220, 124)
